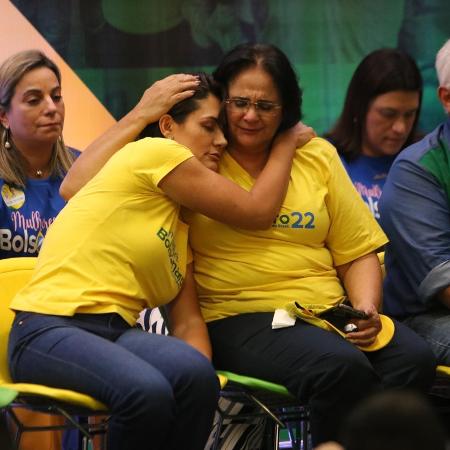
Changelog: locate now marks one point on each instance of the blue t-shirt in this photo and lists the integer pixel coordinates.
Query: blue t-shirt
(368, 175)
(26, 214)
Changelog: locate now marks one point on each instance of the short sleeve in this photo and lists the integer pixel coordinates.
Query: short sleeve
(153, 158)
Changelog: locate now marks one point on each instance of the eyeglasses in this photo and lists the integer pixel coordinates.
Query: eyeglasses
(242, 105)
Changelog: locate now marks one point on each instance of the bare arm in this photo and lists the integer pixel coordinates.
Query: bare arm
(362, 280)
(444, 297)
(202, 190)
(185, 317)
(157, 100)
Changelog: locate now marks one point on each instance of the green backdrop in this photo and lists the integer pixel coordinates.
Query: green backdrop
(119, 47)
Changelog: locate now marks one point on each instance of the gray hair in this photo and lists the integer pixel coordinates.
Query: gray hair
(443, 65)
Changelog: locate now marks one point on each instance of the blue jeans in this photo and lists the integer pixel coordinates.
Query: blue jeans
(434, 327)
(161, 392)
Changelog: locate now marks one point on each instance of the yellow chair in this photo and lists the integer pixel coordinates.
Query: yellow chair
(14, 274)
(440, 394)
(223, 380)
(443, 371)
(441, 386)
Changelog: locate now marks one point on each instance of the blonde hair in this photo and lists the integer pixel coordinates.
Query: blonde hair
(443, 65)
(12, 168)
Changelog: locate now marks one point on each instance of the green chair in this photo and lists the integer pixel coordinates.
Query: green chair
(263, 398)
(7, 395)
(14, 274)
(266, 399)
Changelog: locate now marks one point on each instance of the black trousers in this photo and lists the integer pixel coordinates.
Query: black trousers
(319, 367)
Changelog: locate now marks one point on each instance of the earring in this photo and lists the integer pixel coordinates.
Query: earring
(170, 137)
(7, 143)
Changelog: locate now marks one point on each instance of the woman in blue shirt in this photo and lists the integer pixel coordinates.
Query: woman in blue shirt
(378, 120)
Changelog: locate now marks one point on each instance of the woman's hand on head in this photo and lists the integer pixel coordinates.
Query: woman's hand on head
(159, 98)
(296, 136)
(367, 328)
(156, 101)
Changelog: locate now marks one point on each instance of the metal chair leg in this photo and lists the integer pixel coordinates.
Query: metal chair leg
(218, 428)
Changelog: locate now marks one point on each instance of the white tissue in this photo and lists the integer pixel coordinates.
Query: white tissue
(282, 319)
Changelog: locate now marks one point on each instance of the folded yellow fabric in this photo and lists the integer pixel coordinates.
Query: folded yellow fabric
(311, 314)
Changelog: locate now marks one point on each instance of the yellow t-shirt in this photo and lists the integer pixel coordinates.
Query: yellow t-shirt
(322, 223)
(118, 245)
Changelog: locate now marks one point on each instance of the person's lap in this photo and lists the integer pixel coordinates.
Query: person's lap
(316, 366)
(319, 367)
(144, 379)
(246, 342)
(58, 353)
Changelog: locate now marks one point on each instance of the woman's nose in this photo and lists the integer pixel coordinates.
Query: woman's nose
(220, 140)
(50, 105)
(251, 113)
(400, 125)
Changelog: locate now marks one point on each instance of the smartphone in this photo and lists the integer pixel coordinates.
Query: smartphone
(344, 311)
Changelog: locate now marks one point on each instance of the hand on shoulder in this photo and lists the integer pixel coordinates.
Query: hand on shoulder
(296, 136)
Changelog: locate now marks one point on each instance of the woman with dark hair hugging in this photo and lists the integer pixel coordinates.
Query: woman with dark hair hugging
(119, 246)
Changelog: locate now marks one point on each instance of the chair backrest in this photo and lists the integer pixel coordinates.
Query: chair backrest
(14, 274)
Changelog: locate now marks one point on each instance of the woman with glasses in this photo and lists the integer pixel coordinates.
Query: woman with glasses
(319, 250)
